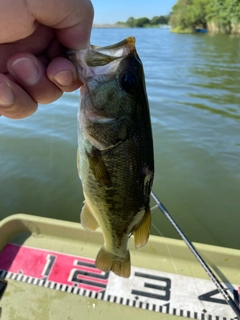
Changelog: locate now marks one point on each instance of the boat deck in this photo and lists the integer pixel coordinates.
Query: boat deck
(49, 268)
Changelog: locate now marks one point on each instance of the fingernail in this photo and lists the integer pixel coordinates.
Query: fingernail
(6, 95)
(64, 78)
(26, 71)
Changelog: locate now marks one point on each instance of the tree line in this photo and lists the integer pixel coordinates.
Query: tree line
(214, 15)
(145, 22)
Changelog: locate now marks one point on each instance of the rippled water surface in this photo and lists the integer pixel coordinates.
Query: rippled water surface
(193, 89)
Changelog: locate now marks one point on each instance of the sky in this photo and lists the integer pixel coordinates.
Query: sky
(112, 11)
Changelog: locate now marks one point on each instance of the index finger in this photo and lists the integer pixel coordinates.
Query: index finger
(72, 19)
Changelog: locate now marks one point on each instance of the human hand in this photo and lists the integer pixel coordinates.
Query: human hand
(33, 35)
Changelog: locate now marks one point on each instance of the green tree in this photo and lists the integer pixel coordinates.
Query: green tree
(228, 13)
(141, 22)
(223, 15)
(181, 15)
(159, 20)
(131, 22)
(198, 13)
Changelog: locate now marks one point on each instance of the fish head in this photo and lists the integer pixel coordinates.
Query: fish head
(112, 79)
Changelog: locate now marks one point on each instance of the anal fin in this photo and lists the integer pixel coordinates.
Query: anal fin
(88, 220)
(107, 261)
(141, 233)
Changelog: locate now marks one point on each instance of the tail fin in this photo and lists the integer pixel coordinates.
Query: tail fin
(107, 261)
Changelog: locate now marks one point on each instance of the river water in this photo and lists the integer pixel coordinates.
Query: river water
(193, 89)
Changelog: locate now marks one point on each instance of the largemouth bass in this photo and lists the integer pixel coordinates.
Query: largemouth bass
(115, 150)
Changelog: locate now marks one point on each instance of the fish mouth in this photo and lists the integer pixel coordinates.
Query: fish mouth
(101, 60)
(100, 56)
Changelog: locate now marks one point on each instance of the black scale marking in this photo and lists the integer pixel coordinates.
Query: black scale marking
(166, 309)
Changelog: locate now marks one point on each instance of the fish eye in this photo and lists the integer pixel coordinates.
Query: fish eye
(128, 82)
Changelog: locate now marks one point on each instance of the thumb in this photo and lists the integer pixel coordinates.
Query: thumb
(72, 19)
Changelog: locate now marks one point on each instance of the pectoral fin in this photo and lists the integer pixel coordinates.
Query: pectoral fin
(141, 233)
(98, 167)
(88, 220)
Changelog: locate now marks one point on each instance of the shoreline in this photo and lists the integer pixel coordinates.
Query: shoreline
(123, 26)
(109, 26)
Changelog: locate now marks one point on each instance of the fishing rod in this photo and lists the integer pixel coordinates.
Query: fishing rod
(211, 275)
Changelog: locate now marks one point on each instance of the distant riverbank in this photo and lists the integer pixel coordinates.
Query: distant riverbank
(122, 26)
(110, 26)
(144, 22)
